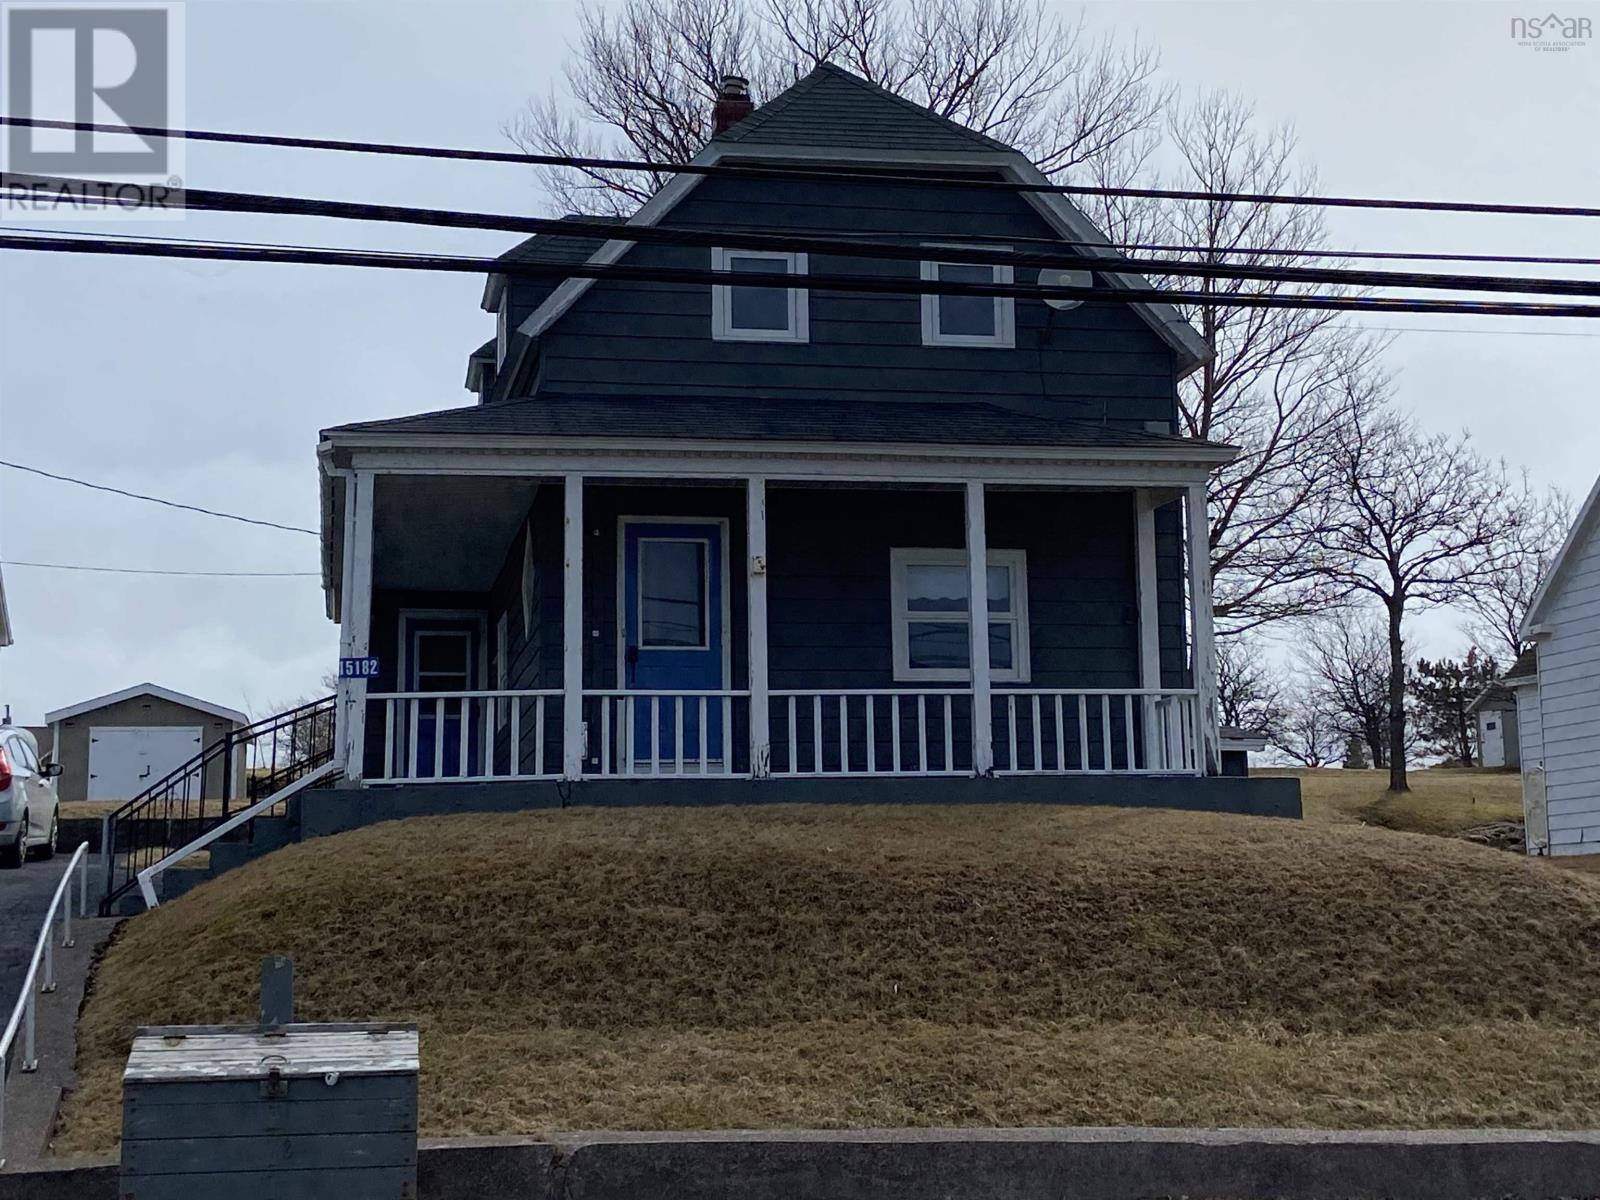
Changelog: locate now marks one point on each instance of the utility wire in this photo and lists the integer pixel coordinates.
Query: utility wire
(889, 175)
(16, 562)
(225, 201)
(101, 487)
(870, 284)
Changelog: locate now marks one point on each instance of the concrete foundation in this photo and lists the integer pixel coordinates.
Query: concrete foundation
(1001, 1164)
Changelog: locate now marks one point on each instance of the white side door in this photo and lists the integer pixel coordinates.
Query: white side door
(125, 761)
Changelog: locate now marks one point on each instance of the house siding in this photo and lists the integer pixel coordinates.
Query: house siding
(1096, 362)
(1569, 705)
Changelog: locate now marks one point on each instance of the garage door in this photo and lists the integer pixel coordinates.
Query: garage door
(123, 762)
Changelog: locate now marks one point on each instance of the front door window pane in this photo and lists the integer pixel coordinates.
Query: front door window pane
(442, 662)
(672, 593)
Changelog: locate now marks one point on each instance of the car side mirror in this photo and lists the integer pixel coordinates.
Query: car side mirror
(53, 770)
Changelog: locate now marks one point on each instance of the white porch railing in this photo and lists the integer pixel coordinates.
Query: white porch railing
(468, 737)
(1123, 731)
(645, 733)
(890, 731)
(488, 736)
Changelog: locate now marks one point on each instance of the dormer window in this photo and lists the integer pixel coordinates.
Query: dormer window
(758, 314)
(949, 320)
(502, 329)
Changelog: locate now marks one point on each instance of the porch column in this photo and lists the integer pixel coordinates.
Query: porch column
(978, 630)
(1205, 660)
(572, 629)
(756, 619)
(1149, 626)
(355, 621)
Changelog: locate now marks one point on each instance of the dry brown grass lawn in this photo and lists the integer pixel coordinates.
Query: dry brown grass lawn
(792, 966)
(1442, 800)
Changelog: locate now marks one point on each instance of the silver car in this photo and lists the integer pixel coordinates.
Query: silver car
(30, 817)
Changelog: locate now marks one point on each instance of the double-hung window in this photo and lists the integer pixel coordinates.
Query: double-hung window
(928, 594)
(759, 314)
(964, 320)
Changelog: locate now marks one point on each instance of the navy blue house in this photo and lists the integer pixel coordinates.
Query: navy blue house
(718, 540)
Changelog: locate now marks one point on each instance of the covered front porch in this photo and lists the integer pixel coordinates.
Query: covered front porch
(665, 619)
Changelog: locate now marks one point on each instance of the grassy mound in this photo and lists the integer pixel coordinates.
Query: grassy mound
(886, 966)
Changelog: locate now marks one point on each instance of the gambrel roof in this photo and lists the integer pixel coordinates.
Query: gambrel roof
(832, 117)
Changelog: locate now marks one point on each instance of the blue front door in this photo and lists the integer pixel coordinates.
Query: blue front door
(673, 635)
(442, 655)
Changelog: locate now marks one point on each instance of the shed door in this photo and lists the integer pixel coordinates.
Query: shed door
(1494, 739)
(124, 761)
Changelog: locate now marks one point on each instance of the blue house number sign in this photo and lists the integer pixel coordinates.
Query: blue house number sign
(359, 668)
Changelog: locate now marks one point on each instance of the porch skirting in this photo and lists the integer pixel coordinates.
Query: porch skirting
(341, 809)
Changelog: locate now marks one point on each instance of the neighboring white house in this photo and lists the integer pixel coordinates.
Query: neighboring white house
(1559, 704)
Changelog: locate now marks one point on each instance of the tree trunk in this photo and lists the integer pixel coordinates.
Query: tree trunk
(1376, 733)
(1397, 697)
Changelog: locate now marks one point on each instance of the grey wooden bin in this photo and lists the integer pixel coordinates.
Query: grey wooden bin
(300, 1112)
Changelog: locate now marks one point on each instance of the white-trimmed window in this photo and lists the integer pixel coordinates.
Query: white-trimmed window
(968, 320)
(928, 593)
(759, 314)
(502, 329)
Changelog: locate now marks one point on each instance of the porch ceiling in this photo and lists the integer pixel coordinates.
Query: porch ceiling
(444, 532)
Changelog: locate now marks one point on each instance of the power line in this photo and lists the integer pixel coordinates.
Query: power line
(869, 284)
(887, 175)
(210, 512)
(226, 201)
(16, 562)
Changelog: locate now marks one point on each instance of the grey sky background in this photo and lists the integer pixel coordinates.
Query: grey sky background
(207, 382)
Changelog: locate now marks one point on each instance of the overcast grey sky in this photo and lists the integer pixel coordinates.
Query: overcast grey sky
(207, 382)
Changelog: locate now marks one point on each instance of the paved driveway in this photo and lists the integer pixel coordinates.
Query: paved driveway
(24, 896)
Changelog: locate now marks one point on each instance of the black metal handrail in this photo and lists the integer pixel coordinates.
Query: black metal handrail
(273, 753)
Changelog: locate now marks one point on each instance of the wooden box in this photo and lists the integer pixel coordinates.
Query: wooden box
(297, 1112)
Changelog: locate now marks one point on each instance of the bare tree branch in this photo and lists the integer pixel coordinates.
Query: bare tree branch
(1499, 602)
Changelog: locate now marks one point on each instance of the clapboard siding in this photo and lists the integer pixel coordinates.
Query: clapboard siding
(1569, 698)
(1529, 728)
(1096, 362)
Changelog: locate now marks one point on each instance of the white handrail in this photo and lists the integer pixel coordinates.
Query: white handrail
(148, 876)
(22, 1015)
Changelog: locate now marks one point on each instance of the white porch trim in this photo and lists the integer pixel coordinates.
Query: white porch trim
(572, 628)
(1145, 505)
(1198, 531)
(355, 612)
(977, 540)
(756, 622)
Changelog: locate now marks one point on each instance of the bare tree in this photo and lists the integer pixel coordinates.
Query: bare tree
(1281, 381)
(1423, 520)
(644, 75)
(1498, 603)
(1346, 656)
(1249, 694)
(1308, 734)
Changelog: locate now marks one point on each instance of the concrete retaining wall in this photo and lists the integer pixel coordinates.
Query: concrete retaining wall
(1020, 1164)
(339, 809)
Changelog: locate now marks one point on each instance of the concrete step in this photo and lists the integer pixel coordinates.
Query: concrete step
(177, 880)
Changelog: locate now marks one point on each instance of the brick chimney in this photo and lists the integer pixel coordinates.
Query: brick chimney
(733, 103)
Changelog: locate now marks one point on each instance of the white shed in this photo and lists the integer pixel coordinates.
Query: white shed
(1559, 706)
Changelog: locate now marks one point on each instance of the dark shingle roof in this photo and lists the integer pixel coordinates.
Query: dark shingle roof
(740, 418)
(831, 107)
(558, 247)
(1526, 666)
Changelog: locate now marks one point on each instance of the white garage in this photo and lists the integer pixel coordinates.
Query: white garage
(115, 746)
